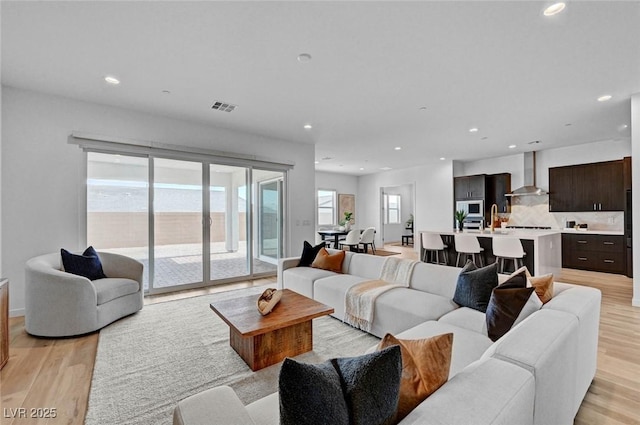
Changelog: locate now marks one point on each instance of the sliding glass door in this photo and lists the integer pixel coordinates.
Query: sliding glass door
(177, 222)
(191, 223)
(229, 256)
(117, 206)
(269, 208)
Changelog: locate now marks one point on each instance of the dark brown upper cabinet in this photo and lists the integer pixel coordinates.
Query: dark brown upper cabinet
(587, 187)
(497, 186)
(470, 187)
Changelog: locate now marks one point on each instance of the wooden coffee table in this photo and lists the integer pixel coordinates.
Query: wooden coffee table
(262, 341)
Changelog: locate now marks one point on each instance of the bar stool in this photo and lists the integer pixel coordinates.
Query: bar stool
(468, 245)
(509, 248)
(432, 245)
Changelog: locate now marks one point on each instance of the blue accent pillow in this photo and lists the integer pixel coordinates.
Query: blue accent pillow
(88, 264)
(474, 286)
(309, 253)
(360, 390)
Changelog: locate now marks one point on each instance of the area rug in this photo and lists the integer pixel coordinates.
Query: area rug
(148, 362)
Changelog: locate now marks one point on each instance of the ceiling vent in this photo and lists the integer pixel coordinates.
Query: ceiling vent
(224, 106)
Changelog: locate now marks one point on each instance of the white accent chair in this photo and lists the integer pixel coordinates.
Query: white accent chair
(367, 238)
(468, 246)
(60, 304)
(509, 248)
(432, 246)
(352, 240)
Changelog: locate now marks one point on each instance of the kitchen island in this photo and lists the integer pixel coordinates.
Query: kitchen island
(543, 248)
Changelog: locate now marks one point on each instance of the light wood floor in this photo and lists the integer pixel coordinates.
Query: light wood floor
(56, 373)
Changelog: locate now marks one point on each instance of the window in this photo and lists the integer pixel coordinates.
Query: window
(392, 211)
(326, 207)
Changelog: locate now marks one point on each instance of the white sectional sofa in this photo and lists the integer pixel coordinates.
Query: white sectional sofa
(538, 373)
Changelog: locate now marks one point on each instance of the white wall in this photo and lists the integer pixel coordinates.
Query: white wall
(1, 274)
(341, 183)
(433, 185)
(635, 170)
(608, 150)
(43, 177)
(394, 232)
(513, 164)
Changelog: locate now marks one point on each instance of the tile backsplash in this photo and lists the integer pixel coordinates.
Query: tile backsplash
(534, 211)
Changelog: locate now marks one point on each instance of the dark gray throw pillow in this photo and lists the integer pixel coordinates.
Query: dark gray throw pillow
(309, 253)
(361, 390)
(88, 264)
(474, 286)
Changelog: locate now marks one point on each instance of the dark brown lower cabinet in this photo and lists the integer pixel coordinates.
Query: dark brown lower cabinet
(600, 253)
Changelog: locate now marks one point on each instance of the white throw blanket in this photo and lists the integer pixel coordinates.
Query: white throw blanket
(359, 302)
(398, 270)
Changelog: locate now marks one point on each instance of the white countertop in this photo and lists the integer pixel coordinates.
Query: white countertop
(533, 234)
(528, 233)
(594, 232)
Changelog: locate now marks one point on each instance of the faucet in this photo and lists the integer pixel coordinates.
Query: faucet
(494, 216)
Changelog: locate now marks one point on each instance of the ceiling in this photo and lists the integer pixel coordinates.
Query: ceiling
(415, 75)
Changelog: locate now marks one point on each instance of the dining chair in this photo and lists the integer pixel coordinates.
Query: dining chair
(352, 240)
(368, 238)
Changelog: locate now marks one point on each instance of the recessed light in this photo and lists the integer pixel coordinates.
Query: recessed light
(304, 57)
(554, 9)
(442, 158)
(112, 80)
(397, 148)
(473, 130)
(317, 162)
(512, 146)
(604, 98)
(361, 169)
(308, 126)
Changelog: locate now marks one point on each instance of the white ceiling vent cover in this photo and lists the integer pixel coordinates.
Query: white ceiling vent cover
(224, 106)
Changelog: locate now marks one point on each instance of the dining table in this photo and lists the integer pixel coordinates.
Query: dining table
(325, 234)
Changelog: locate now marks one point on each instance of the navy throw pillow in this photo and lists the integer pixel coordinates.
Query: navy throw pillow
(361, 390)
(88, 264)
(309, 253)
(474, 286)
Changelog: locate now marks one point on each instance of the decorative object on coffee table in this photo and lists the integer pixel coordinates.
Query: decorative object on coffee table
(262, 341)
(268, 300)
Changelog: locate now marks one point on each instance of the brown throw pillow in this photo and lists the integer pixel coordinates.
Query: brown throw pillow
(331, 262)
(425, 368)
(543, 284)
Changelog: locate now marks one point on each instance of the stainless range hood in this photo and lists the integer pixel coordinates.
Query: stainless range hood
(529, 188)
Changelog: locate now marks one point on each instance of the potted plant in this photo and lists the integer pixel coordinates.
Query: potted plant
(460, 216)
(348, 215)
(409, 223)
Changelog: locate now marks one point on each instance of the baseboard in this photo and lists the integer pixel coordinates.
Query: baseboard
(18, 312)
(635, 302)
